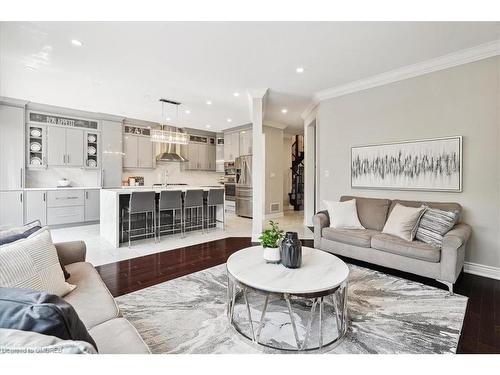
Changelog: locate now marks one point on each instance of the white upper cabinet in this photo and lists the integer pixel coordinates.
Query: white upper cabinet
(64, 146)
(138, 151)
(246, 142)
(231, 146)
(11, 147)
(112, 148)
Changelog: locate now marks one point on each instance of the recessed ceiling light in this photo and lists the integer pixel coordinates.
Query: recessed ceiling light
(187, 111)
(76, 42)
(236, 94)
(299, 70)
(229, 120)
(207, 126)
(168, 119)
(284, 110)
(209, 102)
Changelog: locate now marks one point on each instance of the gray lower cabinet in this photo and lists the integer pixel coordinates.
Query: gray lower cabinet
(65, 206)
(11, 208)
(36, 206)
(92, 197)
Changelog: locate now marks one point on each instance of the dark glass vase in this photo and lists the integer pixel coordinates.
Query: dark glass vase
(291, 250)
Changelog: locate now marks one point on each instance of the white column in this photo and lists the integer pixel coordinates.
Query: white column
(256, 98)
(310, 135)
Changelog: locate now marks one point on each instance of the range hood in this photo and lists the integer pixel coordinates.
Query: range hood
(170, 151)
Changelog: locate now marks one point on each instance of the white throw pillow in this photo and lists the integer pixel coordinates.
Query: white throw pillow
(343, 215)
(403, 221)
(33, 263)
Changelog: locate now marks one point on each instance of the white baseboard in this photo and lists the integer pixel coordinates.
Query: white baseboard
(482, 270)
(274, 215)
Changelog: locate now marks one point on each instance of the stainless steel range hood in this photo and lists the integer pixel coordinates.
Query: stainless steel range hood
(170, 152)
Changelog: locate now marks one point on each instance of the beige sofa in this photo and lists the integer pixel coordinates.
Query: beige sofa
(96, 306)
(370, 245)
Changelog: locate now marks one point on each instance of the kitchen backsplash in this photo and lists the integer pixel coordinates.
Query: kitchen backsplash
(175, 174)
(49, 177)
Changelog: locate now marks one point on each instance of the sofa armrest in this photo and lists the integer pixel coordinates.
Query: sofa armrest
(320, 220)
(71, 252)
(453, 251)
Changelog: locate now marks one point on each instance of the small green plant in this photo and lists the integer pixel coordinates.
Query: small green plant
(271, 237)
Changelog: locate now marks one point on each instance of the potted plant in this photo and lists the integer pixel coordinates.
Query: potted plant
(270, 241)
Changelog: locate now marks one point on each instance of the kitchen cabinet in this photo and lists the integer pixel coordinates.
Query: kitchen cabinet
(219, 155)
(138, 152)
(112, 154)
(231, 146)
(65, 206)
(201, 157)
(65, 146)
(11, 208)
(36, 206)
(245, 142)
(92, 197)
(12, 148)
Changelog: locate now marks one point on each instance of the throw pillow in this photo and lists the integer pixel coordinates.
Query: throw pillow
(435, 224)
(18, 230)
(19, 236)
(403, 221)
(13, 341)
(29, 310)
(343, 215)
(33, 263)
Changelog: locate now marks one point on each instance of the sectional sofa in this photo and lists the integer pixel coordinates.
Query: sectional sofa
(443, 264)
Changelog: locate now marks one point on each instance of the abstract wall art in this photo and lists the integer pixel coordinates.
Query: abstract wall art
(429, 164)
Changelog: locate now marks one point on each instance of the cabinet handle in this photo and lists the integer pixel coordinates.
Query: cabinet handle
(44, 198)
(21, 178)
(21, 197)
(102, 178)
(86, 195)
(68, 159)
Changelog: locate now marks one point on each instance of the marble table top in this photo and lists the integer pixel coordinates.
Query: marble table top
(320, 271)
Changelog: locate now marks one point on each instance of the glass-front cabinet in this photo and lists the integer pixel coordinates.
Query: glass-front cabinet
(36, 146)
(91, 150)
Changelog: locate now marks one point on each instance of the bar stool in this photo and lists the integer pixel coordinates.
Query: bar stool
(215, 198)
(193, 200)
(170, 200)
(141, 202)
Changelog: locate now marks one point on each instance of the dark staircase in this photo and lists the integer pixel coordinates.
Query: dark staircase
(296, 196)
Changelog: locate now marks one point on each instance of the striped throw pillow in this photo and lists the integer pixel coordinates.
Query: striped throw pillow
(33, 263)
(434, 224)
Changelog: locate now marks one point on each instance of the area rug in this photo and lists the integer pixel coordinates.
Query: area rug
(386, 314)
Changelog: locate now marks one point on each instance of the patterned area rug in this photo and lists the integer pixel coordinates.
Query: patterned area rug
(387, 314)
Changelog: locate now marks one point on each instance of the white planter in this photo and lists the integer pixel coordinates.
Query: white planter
(271, 254)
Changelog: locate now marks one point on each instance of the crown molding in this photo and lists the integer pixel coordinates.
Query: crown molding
(480, 52)
(276, 125)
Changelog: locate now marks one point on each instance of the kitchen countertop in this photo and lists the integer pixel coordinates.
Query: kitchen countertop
(66, 188)
(157, 189)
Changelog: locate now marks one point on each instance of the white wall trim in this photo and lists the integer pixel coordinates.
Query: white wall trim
(274, 215)
(482, 270)
(480, 52)
(274, 124)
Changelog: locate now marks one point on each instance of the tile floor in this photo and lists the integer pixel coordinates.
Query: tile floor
(99, 251)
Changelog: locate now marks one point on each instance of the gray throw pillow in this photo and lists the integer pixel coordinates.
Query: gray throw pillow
(435, 224)
(48, 314)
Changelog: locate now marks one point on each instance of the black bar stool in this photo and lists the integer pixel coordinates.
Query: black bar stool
(193, 201)
(141, 202)
(215, 198)
(170, 200)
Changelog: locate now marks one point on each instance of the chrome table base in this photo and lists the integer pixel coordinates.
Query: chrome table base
(332, 308)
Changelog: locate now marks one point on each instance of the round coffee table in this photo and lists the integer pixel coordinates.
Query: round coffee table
(290, 297)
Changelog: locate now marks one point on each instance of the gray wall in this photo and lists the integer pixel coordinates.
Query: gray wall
(463, 100)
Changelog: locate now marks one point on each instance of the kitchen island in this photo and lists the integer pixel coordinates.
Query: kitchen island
(112, 201)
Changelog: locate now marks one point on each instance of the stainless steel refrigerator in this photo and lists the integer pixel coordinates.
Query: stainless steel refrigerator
(244, 194)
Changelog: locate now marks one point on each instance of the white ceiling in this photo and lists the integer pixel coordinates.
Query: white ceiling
(122, 68)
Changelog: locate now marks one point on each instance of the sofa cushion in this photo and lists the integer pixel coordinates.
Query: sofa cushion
(118, 336)
(415, 249)
(403, 221)
(356, 237)
(343, 215)
(91, 299)
(372, 212)
(13, 341)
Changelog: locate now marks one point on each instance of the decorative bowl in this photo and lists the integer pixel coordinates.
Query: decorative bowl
(63, 183)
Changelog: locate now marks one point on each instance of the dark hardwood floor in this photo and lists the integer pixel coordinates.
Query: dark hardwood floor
(480, 332)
